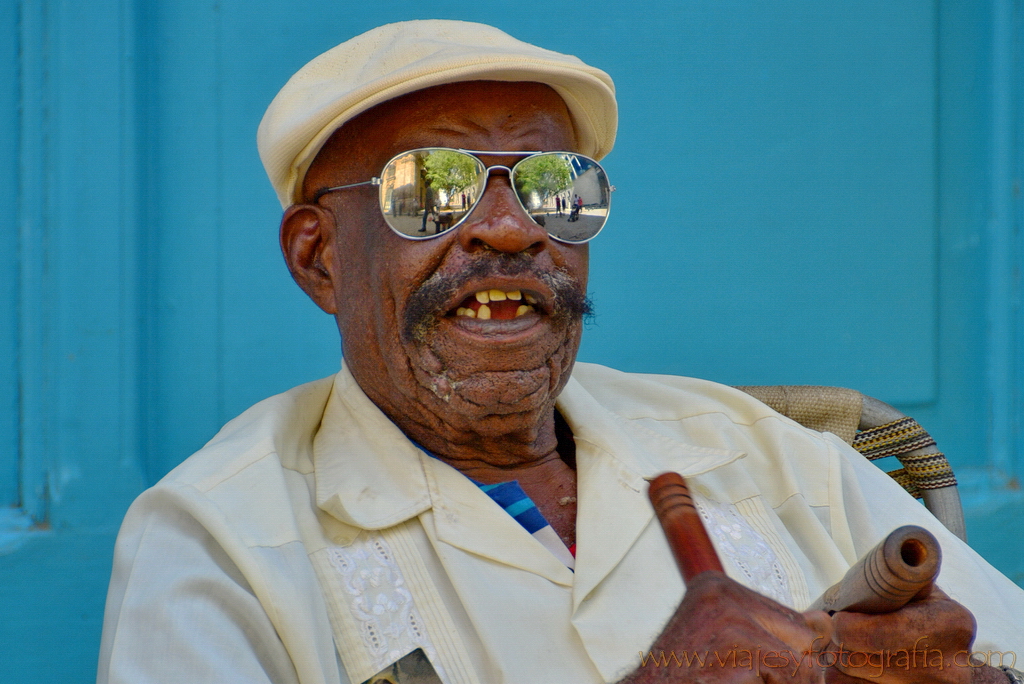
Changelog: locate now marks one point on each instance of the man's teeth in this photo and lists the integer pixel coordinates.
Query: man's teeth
(486, 297)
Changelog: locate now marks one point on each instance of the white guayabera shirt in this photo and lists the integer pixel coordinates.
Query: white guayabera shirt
(311, 542)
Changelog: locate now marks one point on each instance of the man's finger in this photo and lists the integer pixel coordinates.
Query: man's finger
(808, 632)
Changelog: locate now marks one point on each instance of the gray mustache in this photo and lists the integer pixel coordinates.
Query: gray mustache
(430, 301)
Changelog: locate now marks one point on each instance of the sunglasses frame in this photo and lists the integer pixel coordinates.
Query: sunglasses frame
(476, 154)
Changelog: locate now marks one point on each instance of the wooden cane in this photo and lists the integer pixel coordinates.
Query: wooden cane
(903, 565)
(683, 527)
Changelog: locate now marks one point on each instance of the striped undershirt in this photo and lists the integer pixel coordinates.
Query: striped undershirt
(514, 501)
(511, 497)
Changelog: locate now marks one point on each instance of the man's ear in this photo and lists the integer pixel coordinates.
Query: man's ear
(307, 239)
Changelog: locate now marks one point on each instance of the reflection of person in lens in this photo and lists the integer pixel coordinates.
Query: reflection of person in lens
(574, 212)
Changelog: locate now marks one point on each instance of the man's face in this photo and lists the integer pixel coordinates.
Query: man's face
(432, 369)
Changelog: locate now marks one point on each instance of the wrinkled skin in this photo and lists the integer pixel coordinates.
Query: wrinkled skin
(480, 394)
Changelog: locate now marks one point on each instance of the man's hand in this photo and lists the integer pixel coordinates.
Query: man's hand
(724, 632)
(925, 641)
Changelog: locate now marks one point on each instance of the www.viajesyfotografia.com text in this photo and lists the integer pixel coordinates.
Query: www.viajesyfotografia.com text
(878, 662)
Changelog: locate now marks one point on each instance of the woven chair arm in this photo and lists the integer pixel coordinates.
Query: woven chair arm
(822, 408)
(876, 430)
(926, 473)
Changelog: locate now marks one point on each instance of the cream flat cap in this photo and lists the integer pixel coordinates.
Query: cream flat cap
(400, 58)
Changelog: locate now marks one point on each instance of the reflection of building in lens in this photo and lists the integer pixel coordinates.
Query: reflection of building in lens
(592, 186)
(404, 189)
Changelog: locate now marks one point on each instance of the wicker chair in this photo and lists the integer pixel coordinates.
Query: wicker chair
(876, 430)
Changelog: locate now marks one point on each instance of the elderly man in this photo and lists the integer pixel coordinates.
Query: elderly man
(459, 503)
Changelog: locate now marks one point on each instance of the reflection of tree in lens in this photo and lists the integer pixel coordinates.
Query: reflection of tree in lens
(449, 172)
(542, 177)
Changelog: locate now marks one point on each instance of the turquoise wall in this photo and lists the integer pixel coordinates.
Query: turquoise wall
(819, 193)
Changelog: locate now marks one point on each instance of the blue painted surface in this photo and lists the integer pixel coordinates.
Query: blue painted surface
(9, 416)
(787, 167)
(804, 195)
(70, 220)
(1005, 311)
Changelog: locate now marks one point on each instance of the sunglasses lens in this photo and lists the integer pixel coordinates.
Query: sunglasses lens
(426, 192)
(568, 194)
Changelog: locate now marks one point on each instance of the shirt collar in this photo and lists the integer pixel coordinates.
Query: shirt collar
(370, 475)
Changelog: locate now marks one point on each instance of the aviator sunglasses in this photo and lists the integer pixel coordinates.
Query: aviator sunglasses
(428, 191)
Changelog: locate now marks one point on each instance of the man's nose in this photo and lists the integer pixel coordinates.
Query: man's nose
(500, 223)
